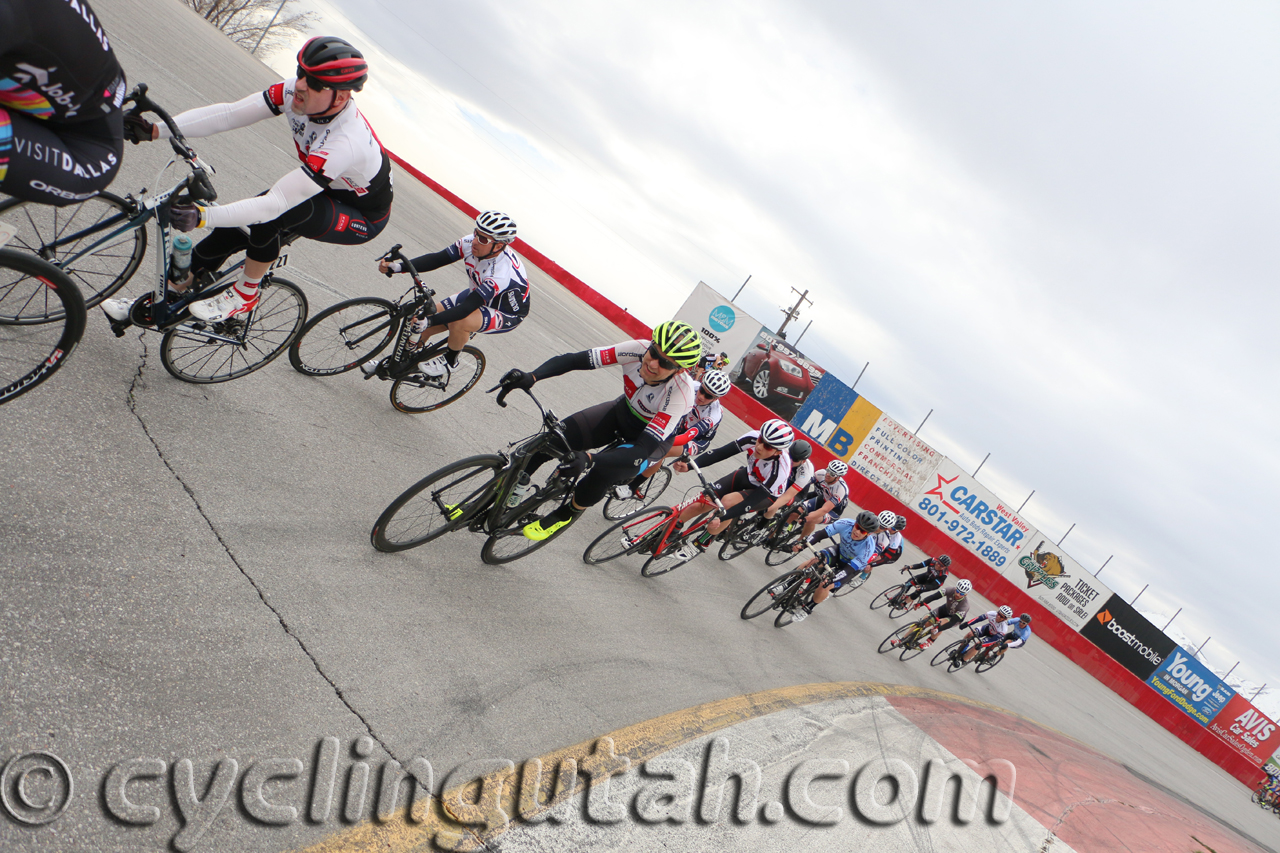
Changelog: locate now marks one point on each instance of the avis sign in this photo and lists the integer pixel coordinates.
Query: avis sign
(1247, 729)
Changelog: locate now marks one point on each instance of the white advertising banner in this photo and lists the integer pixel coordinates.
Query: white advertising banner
(959, 506)
(1058, 582)
(893, 458)
(724, 326)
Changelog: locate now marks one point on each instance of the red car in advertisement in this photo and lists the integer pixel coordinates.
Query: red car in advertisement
(777, 374)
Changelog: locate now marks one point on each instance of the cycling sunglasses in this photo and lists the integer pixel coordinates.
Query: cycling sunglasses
(482, 239)
(313, 83)
(663, 362)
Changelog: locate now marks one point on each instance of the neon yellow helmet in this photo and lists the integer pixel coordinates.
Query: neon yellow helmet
(679, 342)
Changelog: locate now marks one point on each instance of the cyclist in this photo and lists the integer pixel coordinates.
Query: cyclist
(951, 612)
(700, 424)
(1017, 636)
(657, 392)
(936, 570)
(857, 544)
(61, 88)
(495, 302)
(749, 488)
(711, 362)
(995, 625)
(889, 539)
(340, 194)
(801, 476)
(831, 499)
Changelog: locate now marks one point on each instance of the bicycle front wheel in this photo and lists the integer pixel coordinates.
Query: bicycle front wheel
(628, 536)
(884, 598)
(438, 503)
(745, 536)
(30, 354)
(781, 552)
(987, 660)
(205, 353)
(649, 491)
(343, 336)
(420, 392)
(57, 234)
(763, 601)
(678, 551)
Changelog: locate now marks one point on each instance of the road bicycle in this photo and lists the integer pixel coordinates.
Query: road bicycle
(896, 597)
(789, 592)
(750, 531)
(473, 494)
(908, 638)
(101, 242)
(31, 353)
(988, 656)
(783, 539)
(623, 501)
(658, 533)
(346, 335)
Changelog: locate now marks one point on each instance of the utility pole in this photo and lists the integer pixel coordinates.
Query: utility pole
(794, 312)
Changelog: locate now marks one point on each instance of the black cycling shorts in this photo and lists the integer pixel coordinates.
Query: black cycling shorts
(945, 620)
(58, 164)
(318, 218)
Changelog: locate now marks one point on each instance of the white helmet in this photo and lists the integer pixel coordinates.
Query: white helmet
(965, 587)
(888, 519)
(777, 433)
(836, 468)
(1005, 611)
(717, 382)
(497, 225)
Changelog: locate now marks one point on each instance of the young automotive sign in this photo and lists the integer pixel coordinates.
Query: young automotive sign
(955, 503)
(724, 326)
(1191, 686)
(1247, 729)
(1127, 636)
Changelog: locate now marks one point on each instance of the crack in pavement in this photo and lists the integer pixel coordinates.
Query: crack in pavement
(132, 402)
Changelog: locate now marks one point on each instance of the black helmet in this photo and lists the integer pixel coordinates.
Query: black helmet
(1025, 618)
(868, 522)
(800, 450)
(943, 561)
(334, 62)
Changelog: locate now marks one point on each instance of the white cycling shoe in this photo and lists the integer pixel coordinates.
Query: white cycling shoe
(435, 368)
(227, 304)
(117, 309)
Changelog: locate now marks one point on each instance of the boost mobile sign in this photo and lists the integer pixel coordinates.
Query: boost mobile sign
(1127, 636)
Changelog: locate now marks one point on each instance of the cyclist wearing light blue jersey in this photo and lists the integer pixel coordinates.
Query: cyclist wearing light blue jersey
(856, 548)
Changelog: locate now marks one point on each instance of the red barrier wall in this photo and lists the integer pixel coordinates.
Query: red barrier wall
(929, 539)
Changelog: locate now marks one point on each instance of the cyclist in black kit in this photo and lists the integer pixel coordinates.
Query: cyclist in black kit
(61, 129)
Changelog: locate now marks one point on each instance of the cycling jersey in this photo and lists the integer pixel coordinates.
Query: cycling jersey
(991, 626)
(704, 420)
(769, 474)
(660, 406)
(801, 475)
(855, 553)
(836, 494)
(1018, 635)
(949, 607)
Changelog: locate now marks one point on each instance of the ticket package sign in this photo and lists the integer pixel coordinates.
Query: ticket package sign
(1128, 637)
(892, 457)
(957, 505)
(1057, 582)
(1191, 686)
(1247, 729)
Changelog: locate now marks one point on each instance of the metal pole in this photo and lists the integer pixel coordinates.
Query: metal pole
(1260, 689)
(739, 293)
(268, 27)
(1196, 653)
(980, 464)
(1104, 565)
(859, 379)
(1170, 622)
(1139, 595)
(793, 312)
(1024, 503)
(926, 417)
(1233, 669)
(796, 342)
(1068, 533)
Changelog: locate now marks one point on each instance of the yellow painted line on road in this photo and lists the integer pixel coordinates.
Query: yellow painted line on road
(473, 809)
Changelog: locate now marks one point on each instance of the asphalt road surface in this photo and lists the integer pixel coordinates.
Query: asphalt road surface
(186, 572)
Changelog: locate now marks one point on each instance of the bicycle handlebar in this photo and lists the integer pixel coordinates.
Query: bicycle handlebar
(198, 186)
(693, 466)
(396, 255)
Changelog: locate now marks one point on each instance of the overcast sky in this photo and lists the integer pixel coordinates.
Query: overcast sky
(1052, 223)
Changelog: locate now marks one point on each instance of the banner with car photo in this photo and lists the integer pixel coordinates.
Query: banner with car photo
(776, 374)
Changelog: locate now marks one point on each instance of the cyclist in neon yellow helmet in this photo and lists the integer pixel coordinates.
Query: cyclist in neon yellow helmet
(657, 391)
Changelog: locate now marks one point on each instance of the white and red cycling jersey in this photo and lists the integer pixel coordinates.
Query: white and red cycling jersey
(770, 474)
(889, 540)
(661, 406)
(704, 420)
(837, 493)
(992, 626)
(801, 475)
(501, 280)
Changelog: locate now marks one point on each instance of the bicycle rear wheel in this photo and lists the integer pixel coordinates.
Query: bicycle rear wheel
(418, 392)
(100, 272)
(781, 552)
(987, 661)
(763, 601)
(343, 336)
(898, 639)
(883, 599)
(628, 536)
(744, 537)
(30, 354)
(205, 353)
(678, 551)
(649, 491)
(438, 503)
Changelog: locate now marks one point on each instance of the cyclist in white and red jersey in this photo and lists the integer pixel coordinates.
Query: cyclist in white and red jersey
(889, 539)
(830, 501)
(699, 425)
(764, 476)
(495, 302)
(994, 627)
(340, 194)
(657, 392)
(797, 481)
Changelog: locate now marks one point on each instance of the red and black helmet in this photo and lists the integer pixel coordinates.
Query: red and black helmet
(333, 62)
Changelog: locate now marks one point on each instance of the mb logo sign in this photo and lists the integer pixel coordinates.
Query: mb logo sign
(828, 432)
